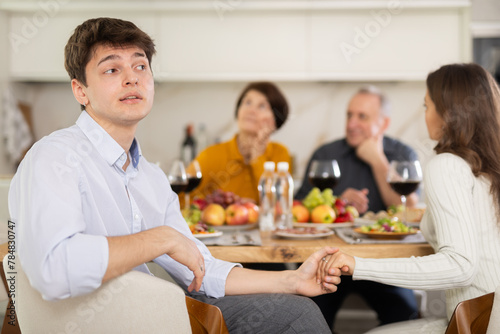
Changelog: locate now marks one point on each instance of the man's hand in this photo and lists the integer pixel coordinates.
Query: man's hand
(371, 150)
(357, 198)
(307, 283)
(184, 251)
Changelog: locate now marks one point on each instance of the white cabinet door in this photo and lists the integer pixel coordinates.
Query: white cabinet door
(37, 45)
(241, 44)
(377, 43)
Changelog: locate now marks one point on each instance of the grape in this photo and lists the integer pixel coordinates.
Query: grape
(313, 199)
(328, 197)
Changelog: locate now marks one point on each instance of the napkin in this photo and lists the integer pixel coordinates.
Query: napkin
(235, 238)
(351, 237)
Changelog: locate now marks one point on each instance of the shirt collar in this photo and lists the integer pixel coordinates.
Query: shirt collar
(107, 147)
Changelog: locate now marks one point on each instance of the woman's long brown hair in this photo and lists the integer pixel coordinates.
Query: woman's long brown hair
(468, 100)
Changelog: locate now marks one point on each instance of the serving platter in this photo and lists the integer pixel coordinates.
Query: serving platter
(385, 235)
(243, 227)
(303, 233)
(321, 225)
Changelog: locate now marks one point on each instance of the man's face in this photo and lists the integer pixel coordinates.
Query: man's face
(363, 119)
(120, 86)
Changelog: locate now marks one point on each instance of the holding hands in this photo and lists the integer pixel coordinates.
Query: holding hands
(331, 264)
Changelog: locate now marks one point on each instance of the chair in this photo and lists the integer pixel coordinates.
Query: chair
(205, 318)
(494, 325)
(132, 303)
(471, 316)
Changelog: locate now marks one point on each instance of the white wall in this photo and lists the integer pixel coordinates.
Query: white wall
(5, 168)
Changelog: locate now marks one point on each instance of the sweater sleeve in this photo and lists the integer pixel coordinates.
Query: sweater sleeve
(448, 183)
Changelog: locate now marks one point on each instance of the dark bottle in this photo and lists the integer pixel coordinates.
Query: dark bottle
(188, 148)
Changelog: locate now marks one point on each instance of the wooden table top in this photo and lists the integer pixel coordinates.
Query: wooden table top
(274, 250)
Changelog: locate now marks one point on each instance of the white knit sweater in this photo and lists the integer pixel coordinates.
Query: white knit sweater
(460, 224)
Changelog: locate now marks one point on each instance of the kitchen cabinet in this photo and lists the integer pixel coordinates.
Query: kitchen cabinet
(226, 40)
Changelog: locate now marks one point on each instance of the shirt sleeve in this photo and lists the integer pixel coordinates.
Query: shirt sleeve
(59, 259)
(216, 271)
(448, 183)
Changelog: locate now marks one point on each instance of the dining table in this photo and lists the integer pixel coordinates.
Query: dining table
(280, 250)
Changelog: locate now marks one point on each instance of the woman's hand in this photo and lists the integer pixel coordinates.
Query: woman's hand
(330, 265)
(263, 137)
(307, 284)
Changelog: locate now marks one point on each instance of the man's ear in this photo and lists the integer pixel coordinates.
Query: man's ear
(386, 121)
(79, 92)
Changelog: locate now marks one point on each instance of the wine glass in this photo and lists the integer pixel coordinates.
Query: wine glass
(404, 178)
(177, 177)
(324, 174)
(194, 179)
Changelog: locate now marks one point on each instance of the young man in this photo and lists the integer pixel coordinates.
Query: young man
(90, 207)
(363, 157)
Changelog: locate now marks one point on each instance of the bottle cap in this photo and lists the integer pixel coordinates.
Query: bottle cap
(269, 166)
(283, 166)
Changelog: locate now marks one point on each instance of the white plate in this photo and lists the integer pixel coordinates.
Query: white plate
(243, 227)
(208, 235)
(321, 225)
(321, 234)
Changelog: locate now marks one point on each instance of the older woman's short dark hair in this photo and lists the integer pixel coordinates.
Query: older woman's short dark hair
(273, 95)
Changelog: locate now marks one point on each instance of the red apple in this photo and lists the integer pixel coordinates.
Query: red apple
(352, 210)
(253, 212)
(236, 214)
(213, 214)
(297, 202)
(300, 213)
(200, 202)
(323, 214)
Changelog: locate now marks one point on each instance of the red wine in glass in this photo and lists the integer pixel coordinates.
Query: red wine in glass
(324, 182)
(404, 188)
(324, 174)
(178, 187)
(193, 182)
(404, 178)
(194, 177)
(177, 177)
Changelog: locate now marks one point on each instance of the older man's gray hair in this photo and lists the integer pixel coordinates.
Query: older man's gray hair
(385, 106)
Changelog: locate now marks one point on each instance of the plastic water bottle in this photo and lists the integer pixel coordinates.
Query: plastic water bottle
(283, 184)
(267, 197)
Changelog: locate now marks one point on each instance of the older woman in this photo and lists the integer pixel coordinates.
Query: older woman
(236, 165)
(462, 184)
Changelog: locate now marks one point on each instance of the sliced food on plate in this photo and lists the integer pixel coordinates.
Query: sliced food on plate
(387, 228)
(413, 215)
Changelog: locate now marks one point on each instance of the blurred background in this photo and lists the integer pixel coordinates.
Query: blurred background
(318, 52)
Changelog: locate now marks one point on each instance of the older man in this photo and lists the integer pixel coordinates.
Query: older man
(363, 157)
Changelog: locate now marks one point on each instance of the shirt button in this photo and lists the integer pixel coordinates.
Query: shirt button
(136, 217)
(122, 157)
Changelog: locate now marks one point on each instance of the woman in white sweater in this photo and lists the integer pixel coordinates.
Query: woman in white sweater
(462, 184)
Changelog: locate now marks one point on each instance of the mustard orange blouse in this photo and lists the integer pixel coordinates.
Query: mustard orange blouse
(223, 167)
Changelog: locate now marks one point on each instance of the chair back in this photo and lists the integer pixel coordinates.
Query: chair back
(205, 318)
(132, 303)
(471, 316)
